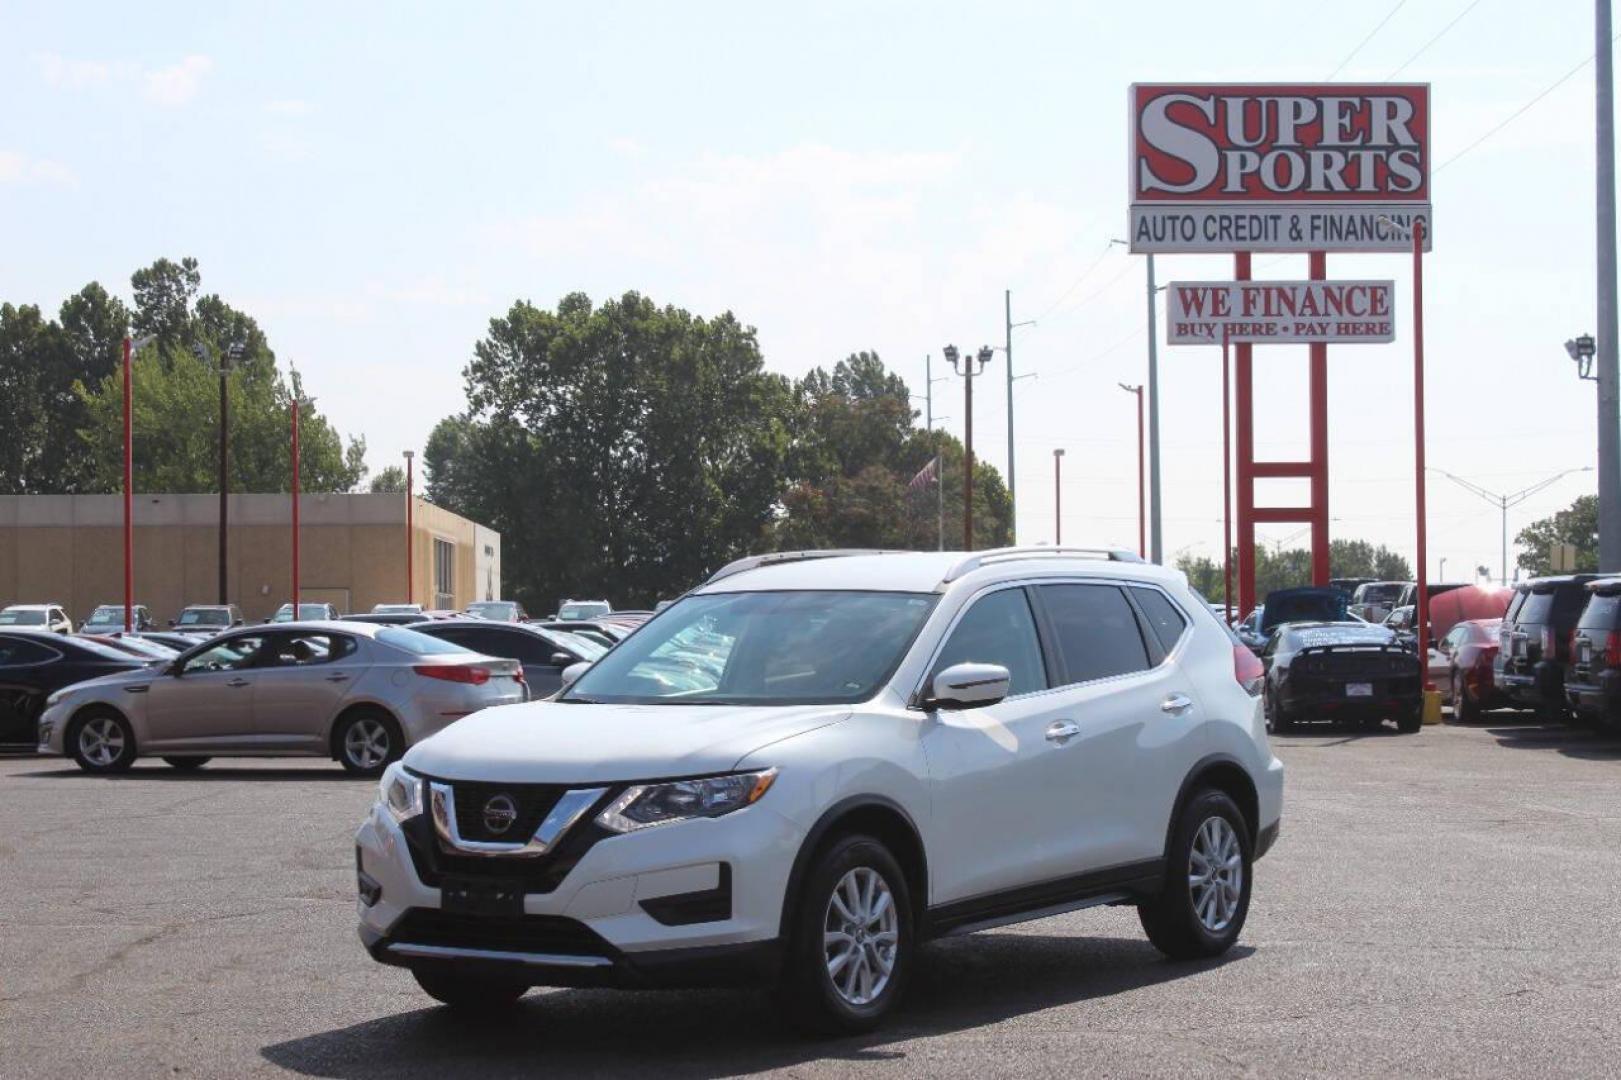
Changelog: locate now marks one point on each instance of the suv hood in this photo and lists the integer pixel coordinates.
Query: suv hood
(545, 742)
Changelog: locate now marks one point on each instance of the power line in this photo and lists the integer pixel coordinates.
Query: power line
(1352, 54)
(1095, 293)
(1076, 283)
(1456, 19)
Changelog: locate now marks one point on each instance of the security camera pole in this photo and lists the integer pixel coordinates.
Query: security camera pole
(964, 366)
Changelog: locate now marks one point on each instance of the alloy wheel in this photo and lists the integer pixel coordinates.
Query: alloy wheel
(366, 743)
(860, 936)
(101, 741)
(1216, 873)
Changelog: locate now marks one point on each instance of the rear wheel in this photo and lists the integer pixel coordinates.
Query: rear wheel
(367, 740)
(1206, 896)
(1465, 709)
(469, 992)
(101, 741)
(1278, 719)
(1411, 720)
(187, 764)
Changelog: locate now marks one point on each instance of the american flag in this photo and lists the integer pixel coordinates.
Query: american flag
(926, 475)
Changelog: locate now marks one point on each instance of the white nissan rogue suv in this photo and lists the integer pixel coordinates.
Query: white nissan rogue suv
(815, 762)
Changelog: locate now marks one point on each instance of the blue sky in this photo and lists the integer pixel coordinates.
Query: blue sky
(374, 182)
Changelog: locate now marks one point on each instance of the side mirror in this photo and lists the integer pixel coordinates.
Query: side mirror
(171, 624)
(562, 660)
(969, 686)
(574, 671)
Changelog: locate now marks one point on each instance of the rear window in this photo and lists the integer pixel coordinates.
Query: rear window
(1514, 605)
(417, 644)
(1167, 622)
(1561, 606)
(1382, 594)
(1602, 613)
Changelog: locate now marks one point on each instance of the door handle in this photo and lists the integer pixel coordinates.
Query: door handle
(339, 677)
(1061, 731)
(237, 682)
(1176, 704)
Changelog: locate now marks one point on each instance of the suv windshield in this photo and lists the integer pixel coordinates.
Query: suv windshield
(205, 617)
(1383, 593)
(494, 609)
(108, 614)
(761, 648)
(22, 618)
(578, 612)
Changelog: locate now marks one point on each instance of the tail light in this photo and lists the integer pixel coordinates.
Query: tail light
(458, 673)
(1248, 670)
(518, 675)
(1612, 649)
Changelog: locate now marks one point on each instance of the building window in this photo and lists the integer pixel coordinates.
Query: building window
(444, 573)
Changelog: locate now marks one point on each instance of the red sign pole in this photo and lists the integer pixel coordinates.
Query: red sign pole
(1226, 476)
(1244, 392)
(1423, 612)
(129, 486)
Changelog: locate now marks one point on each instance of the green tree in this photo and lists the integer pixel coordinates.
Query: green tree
(390, 481)
(1576, 524)
(1204, 575)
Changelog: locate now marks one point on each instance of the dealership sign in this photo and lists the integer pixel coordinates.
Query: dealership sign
(1279, 312)
(1274, 167)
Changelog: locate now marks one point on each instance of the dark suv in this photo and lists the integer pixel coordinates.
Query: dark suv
(1593, 680)
(1534, 642)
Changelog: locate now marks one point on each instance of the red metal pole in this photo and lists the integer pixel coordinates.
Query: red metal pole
(295, 503)
(1418, 450)
(1244, 451)
(409, 530)
(1319, 443)
(1142, 501)
(1226, 476)
(129, 486)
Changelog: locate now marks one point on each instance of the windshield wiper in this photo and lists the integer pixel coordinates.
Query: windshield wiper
(578, 701)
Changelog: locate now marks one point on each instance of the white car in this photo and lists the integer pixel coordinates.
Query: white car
(816, 761)
(49, 617)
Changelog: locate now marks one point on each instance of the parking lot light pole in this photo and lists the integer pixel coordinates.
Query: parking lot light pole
(232, 353)
(131, 347)
(409, 499)
(1142, 517)
(964, 366)
(295, 495)
(1504, 502)
(1058, 496)
(1423, 609)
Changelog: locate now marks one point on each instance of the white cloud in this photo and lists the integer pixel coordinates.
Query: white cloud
(18, 168)
(289, 107)
(178, 83)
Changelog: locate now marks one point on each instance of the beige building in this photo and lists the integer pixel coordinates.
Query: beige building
(69, 549)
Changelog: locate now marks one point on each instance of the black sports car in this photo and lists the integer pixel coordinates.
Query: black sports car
(1351, 671)
(34, 665)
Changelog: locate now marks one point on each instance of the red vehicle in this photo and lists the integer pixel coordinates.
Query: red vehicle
(1468, 651)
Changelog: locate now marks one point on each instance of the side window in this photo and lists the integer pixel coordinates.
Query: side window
(999, 629)
(1097, 631)
(303, 650)
(15, 652)
(227, 655)
(524, 648)
(1163, 617)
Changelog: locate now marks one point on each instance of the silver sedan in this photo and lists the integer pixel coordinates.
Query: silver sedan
(356, 692)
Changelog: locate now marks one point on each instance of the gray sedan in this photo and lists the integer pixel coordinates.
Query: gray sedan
(355, 692)
(544, 654)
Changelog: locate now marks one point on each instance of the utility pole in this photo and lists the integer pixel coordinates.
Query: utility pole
(1609, 392)
(1511, 499)
(410, 500)
(1141, 540)
(226, 356)
(1007, 348)
(940, 470)
(1058, 496)
(968, 372)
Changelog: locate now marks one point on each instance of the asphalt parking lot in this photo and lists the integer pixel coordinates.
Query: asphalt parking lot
(1439, 904)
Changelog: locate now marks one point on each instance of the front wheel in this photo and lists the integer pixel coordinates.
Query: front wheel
(850, 946)
(1206, 896)
(464, 992)
(102, 742)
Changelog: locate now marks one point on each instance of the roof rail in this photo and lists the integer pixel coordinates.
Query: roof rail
(772, 558)
(995, 555)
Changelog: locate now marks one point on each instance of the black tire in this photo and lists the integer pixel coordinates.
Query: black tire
(1465, 709)
(1410, 721)
(92, 753)
(807, 995)
(1170, 920)
(1278, 719)
(1372, 724)
(346, 743)
(470, 993)
(189, 763)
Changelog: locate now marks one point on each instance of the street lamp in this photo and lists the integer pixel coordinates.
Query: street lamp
(1503, 502)
(409, 483)
(1581, 350)
(964, 366)
(1156, 546)
(131, 347)
(1058, 496)
(230, 356)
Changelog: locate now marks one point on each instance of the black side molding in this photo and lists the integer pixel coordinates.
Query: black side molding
(1117, 884)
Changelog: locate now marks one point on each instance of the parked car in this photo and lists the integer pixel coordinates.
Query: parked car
(35, 663)
(1349, 585)
(109, 618)
(1534, 641)
(396, 609)
(357, 693)
(52, 618)
(580, 610)
(1593, 683)
(178, 642)
(1469, 649)
(207, 619)
(893, 748)
(306, 613)
(544, 654)
(602, 630)
(1409, 594)
(1374, 600)
(498, 610)
(1307, 603)
(1341, 671)
(1472, 602)
(387, 618)
(139, 647)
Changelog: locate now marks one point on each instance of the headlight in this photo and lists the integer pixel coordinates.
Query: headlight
(645, 805)
(56, 698)
(401, 792)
